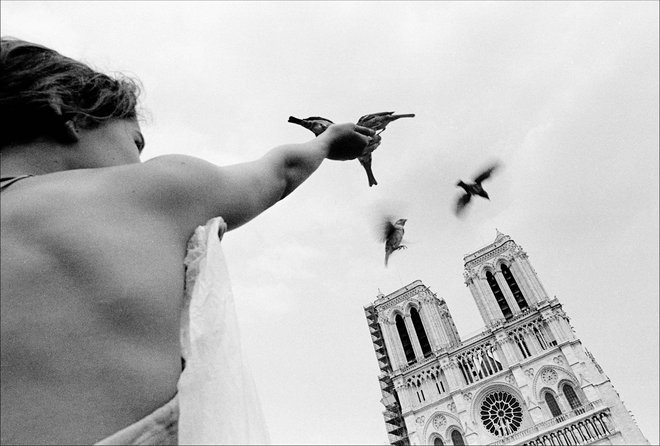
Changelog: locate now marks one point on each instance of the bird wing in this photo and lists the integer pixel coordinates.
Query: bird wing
(316, 124)
(373, 119)
(378, 121)
(318, 118)
(395, 117)
(486, 173)
(394, 241)
(387, 230)
(374, 115)
(461, 202)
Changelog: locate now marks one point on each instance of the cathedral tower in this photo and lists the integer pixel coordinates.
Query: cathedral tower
(525, 379)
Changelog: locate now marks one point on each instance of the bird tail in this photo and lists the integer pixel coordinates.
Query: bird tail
(366, 163)
(372, 179)
(407, 115)
(295, 120)
(387, 256)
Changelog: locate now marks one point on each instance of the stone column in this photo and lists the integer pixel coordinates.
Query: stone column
(403, 392)
(532, 277)
(522, 281)
(452, 374)
(506, 348)
(393, 344)
(486, 314)
(431, 320)
(508, 295)
(412, 334)
(558, 326)
(489, 299)
(533, 343)
(448, 326)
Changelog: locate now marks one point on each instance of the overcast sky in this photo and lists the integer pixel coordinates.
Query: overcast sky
(565, 95)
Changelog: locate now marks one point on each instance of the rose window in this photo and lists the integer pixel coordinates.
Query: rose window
(501, 413)
(549, 376)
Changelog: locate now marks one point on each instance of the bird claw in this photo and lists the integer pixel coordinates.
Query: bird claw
(402, 247)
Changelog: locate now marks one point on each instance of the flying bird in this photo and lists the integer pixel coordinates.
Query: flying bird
(374, 121)
(474, 188)
(392, 235)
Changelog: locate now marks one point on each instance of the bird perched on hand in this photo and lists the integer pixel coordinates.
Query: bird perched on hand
(314, 123)
(378, 121)
(365, 159)
(474, 188)
(392, 235)
(318, 125)
(374, 121)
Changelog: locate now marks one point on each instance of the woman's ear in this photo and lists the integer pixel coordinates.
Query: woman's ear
(71, 133)
(67, 131)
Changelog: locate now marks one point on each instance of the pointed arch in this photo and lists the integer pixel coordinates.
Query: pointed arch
(421, 333)
(499, 296)
(571, 396)
(552, 404)
(405, 339)
(457, 438)
(440, 424)
(437, 441)
(513, 286)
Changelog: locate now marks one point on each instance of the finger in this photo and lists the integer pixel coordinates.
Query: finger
(364, 130)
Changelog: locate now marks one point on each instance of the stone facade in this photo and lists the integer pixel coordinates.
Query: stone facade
(525, 379)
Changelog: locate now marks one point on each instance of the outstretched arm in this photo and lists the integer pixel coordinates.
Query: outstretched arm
(190, 190)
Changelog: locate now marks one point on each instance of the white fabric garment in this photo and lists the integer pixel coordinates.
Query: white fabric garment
(218, 402)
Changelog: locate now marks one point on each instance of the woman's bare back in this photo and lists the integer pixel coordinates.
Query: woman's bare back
(92, 284)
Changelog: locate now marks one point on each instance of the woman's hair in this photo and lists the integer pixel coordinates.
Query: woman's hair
(41, 90)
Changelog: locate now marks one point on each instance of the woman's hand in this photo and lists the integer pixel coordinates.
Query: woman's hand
(346, 141)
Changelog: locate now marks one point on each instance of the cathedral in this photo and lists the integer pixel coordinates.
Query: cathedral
(526, 379)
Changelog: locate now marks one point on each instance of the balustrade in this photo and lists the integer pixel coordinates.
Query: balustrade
(586, 430)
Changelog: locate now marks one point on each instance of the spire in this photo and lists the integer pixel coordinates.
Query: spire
(499, 235)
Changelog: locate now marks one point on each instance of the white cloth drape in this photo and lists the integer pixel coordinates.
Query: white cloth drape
(218, 402)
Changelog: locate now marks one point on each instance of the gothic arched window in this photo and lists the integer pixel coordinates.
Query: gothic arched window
(570, 395)
(457, 438)
(421, 333)
(499, 297)
(437, 441)
(515, 289)
(552, 404)
(405, 339)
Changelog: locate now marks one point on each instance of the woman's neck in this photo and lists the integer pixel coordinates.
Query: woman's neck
(37, 158)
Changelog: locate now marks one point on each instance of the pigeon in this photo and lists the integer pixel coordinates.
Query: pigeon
(374, 121)
(474, 188)
(392, 235)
